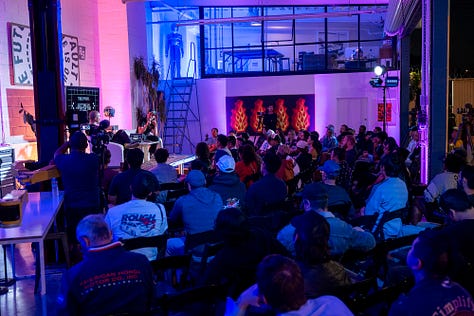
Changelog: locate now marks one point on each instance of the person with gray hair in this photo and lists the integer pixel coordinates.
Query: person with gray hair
(109, 280)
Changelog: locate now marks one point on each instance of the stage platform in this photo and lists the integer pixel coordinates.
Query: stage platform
(177, 161)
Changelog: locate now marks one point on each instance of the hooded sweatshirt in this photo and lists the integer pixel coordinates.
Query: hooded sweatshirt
(197, 210)
(229, 186)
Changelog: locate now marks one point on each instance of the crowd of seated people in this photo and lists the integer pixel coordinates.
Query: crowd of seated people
(298, 195)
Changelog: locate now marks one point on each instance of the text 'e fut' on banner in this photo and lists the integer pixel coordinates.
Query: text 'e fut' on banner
(21, 56)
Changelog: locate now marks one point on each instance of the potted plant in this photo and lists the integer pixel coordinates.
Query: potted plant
(146, 97)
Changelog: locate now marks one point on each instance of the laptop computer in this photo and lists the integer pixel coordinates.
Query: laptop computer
(136, 138)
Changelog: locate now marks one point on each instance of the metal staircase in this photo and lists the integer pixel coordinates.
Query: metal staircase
(181, 114)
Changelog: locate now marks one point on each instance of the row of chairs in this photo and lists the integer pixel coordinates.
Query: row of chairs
(176, 276)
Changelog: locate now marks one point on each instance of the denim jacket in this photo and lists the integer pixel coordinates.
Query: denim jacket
(342, 236)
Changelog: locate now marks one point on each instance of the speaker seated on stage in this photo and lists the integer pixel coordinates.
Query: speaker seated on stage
(149, 128)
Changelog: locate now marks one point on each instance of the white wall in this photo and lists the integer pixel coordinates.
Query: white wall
(100, 26)
(332, 91)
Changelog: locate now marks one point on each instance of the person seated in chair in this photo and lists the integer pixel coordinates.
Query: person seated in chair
(110, 280)
(322, 276)
(243, 248)
(433, 293)
(280, 288)
(267, 191)
(149, 128)
(389, 195)
(457, 204)
(139, 217)
(337, 195)
(196, 211)
(164, 172)
(119, 190)
(227, 183)
(342, 237)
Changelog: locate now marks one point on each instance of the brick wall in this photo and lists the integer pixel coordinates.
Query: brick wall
(16, 97)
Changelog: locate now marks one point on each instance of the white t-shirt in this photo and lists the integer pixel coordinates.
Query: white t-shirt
(137, 218)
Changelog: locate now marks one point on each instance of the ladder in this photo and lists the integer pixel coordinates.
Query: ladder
(181, 114)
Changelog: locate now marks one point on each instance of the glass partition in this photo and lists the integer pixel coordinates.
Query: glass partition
(270, 40)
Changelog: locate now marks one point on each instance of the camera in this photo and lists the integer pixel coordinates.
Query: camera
(98, 141)
(260, 113)
(85, 127)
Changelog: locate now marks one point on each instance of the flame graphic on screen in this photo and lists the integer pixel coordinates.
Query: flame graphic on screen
(283, 121)
(238, 118)
(258, 107)
(300, 119)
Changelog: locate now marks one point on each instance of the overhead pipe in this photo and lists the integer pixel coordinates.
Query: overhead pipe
(272, 17)
(402, 17)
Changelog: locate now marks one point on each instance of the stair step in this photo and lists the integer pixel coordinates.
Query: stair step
(179, 94)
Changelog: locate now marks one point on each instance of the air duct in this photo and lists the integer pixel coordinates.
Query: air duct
(402, 17)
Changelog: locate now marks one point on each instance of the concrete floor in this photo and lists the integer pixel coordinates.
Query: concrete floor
(21, 299)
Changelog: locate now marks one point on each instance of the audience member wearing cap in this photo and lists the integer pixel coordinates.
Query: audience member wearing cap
(264, 195)
(139, 217)
(322, 276)
(389, 195)
(80, 178)
(119, 191)
(227, 183)
(342, 235)
(458, 205)
(329, 140)
(338, 198)
(434, 293)
(304, 159)
(196, 211)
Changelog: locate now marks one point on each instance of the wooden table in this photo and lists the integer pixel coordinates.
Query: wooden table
(38, 216)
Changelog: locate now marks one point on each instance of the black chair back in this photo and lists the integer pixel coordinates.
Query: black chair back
(158, 242)
(199, 240)
(172, 273)
(377, 231)
(366, 222)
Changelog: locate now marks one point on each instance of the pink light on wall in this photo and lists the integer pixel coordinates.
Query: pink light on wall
(114, 66)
